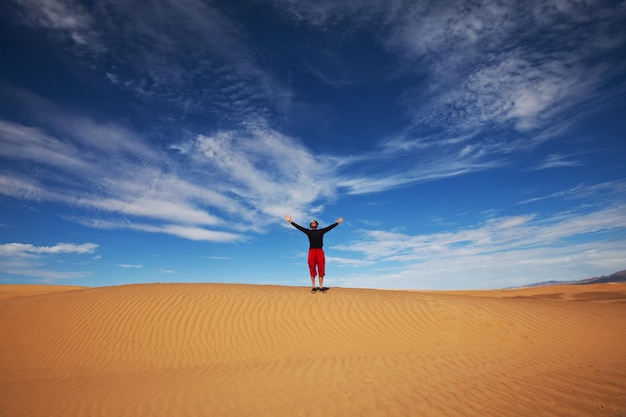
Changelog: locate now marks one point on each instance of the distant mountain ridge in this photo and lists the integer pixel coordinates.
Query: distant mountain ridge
(615, 277)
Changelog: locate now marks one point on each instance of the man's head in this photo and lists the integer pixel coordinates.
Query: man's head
(313, 224)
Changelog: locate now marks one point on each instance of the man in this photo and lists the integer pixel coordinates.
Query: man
(316, 259)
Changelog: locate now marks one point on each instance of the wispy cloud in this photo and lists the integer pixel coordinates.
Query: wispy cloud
(130, 266)
(67, 17)
(494, 236)
(502, 270)
(25, 259)
(128, 180)
(586, 192)
(264, 171)
(510, 249)
(400, 161)
(181, 231)
(26, 143)
(42, 274)
(557, 161)
(26, 249)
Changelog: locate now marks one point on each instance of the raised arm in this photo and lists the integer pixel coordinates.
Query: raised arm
(297, 226)
(332, 226)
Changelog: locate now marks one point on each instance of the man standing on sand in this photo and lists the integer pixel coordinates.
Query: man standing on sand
(317, 261)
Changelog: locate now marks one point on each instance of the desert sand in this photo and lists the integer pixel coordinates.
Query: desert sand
(245, 350)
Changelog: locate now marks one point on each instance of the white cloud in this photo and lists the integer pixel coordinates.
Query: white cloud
(55, 14)
(515, 89)
(501, 252)
(181, 231)
(31, 144)
(265, 171)
(129, 180)
(589, 192)
(153, 208)
(496, 235)
(497, 270)
(558, 161)
(26, 249)
(66, 18)
(196, 233)
(509, 222)
(14, 186)
(404, 163)
(45, 275)
(25, 259)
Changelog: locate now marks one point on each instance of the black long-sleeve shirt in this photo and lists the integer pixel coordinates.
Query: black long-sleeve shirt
(316, 237)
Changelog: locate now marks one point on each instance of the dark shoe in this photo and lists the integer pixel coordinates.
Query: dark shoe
(324, 289)
(313, 290)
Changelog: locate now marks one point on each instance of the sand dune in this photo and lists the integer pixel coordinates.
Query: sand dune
(8, 292)
(242, 350)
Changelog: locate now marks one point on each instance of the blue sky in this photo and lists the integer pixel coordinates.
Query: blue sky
(466, 144)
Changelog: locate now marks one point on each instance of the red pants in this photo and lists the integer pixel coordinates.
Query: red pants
(316, 259)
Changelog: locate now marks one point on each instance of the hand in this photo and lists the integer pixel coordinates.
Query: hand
(288, 218)
(340, 220)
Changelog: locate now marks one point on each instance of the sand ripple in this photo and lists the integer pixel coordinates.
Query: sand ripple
(241, 350)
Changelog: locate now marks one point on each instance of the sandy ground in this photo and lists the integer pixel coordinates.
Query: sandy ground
(243, 350)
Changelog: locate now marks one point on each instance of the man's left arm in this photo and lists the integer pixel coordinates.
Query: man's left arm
(332, 226)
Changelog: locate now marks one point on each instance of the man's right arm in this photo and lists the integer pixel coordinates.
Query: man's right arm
(297, 226)
(300, 228)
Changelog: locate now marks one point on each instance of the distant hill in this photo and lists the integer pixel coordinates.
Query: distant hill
(616, 277)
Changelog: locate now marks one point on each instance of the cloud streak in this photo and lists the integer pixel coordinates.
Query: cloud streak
(26, 249)
(25, 259)
(514, 249)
